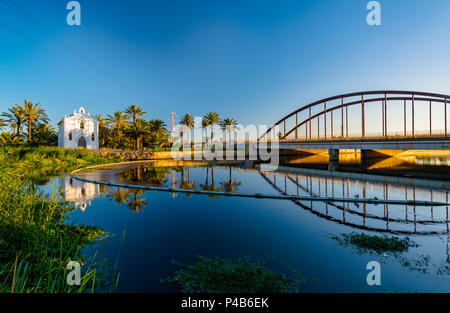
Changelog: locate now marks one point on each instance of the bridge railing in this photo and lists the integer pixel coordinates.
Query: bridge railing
(328, 119)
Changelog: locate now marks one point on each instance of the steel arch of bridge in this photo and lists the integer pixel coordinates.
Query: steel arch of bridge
(365, 97)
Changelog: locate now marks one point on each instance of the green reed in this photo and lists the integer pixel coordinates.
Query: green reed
(36, 240)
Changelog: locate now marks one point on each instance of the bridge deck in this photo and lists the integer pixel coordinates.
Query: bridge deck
(372, 143)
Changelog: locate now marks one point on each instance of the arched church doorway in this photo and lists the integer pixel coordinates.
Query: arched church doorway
(81, 142)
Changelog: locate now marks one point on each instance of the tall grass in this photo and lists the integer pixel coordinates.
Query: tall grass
(36, 242)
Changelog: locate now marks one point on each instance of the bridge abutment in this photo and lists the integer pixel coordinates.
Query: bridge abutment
(333, 163)
(364, 159)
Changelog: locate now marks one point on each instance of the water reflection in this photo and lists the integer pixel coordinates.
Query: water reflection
(407, 219)
(381, 218)
(79, 193)
(156, 176)
(430, 164)
(231, 227)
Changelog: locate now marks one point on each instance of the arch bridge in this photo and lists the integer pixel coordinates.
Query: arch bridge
(325, 124)
(361, 120)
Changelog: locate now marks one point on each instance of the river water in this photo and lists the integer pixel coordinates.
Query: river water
(162, 226)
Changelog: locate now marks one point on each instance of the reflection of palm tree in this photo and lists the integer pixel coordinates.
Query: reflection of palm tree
(149, 175)
(230, 185)
(138, 173)
(212, 187)
(186, 184)
(136, 204)
(102, 190)
(119, 196)
(205, 186)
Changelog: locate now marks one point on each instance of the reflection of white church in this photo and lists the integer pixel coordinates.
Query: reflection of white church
(79, 193)
(79, 130)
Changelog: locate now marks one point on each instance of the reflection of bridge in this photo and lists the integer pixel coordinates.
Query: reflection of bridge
(384, 218)
(331, 115)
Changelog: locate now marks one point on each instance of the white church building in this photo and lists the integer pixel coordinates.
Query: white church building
(79, 130)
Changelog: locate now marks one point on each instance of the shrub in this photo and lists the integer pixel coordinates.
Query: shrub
(246, 275)
(375, 243)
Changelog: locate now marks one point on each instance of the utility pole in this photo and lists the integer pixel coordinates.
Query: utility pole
(172, 124)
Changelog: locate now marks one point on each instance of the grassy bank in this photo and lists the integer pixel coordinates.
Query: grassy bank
(36, 243)
(40, 164)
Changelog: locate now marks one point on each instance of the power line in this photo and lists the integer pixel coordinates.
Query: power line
(31, 19)
(20, 33)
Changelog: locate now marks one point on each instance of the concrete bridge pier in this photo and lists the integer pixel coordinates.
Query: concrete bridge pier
(364, 159)
(333, 164)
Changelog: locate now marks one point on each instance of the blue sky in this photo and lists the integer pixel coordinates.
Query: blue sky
(251, 60)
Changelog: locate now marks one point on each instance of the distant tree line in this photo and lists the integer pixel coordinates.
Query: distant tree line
(29, 124)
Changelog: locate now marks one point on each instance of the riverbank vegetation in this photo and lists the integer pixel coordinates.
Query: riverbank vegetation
(36, 242)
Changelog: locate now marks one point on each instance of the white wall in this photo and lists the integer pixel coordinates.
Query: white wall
(72, 125)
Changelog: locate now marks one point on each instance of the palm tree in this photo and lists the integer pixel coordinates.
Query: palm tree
(119, 123)
(103, 130)
(158, 132)
(44, 134)
(134, 111)
(16, 118)
(9, 139)
(2, 123)
(33, 113)
(211, 119)
(157, 126)
(188, 122)
(204, 127)
(229, 125)
(138, 129)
